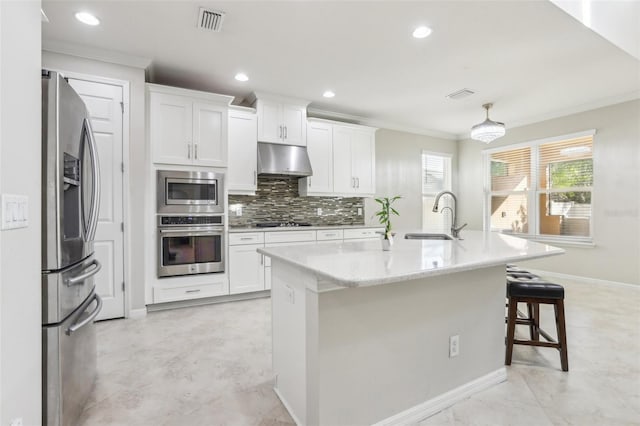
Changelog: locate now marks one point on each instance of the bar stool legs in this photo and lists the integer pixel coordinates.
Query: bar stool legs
(533, 304)
(562, 334)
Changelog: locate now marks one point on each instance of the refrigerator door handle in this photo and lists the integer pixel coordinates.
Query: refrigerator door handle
(78, 325)
(80, 278)
(95, 182)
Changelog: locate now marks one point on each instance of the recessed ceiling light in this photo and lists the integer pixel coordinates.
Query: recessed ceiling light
(242, 77)
(328, 94)
(421, 32)
(87, 18)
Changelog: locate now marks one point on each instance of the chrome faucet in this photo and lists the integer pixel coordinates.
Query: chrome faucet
(455, 229)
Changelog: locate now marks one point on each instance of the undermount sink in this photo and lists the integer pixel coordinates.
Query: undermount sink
(425, 236)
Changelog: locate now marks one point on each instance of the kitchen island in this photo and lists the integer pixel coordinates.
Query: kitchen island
(362, 336)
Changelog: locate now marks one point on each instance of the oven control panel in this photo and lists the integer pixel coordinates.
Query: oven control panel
(189, 220)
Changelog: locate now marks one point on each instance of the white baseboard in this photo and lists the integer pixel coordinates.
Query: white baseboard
(428, 408)
(579, 278)
(137, 313)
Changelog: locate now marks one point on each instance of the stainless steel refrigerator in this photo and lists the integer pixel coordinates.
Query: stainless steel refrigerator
(70, 203)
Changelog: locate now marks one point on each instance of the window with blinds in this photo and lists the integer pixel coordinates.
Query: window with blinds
(436, 177)
(543, 188)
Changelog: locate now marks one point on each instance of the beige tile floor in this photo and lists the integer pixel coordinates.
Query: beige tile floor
(211, 365)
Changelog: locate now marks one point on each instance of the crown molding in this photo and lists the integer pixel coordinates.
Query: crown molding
(98, 54)
(380, 124)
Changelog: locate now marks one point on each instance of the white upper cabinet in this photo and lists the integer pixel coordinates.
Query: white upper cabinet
(281, 120)
(342, 157)
(354, 160)
(209, 134)
(170, 128)
(242, 172)
(187, 127)
(320, 150)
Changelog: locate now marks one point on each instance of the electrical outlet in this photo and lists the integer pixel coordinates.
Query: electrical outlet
(454, 346)
(359, 211)
(319, 210)
(16, 422)
(239, 211)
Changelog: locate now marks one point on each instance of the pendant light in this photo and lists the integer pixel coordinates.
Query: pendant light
(488, 130)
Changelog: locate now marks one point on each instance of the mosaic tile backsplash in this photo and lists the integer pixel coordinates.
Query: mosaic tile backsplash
(277, 200)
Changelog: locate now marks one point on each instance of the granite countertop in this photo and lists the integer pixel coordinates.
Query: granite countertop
(299, 228)
(359, 264)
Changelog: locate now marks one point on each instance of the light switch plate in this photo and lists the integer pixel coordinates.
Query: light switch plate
(15, 211)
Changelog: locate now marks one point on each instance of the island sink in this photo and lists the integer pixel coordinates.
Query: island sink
(425, 236)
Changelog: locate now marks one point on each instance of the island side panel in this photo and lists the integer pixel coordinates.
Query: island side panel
(294, 338)
(384, 349)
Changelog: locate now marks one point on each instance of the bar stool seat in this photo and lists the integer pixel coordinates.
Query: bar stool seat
(519, 287)
(532, 290)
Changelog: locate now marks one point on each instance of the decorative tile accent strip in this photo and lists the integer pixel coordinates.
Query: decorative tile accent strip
(277, 200)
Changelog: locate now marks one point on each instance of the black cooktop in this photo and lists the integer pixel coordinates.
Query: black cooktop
(281, 224)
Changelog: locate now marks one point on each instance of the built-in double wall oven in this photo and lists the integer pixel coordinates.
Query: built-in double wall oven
(190, 223)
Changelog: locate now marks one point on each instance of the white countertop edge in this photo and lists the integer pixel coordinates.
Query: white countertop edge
(350, 283)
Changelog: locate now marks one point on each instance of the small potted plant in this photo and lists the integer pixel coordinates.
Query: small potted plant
(384, 216)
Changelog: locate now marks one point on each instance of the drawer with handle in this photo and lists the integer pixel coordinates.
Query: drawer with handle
(289, 236)
(330, 234)
(239, 238)
(362, 233)
(171, 294)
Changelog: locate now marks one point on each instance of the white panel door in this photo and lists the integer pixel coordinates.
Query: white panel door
(294, 119)
(209, 135)
(104, 102)
(242, 171)
(170, 128)
(246, 269)
(269, 122)
(320, 149)
(343, 180)
(362, 161)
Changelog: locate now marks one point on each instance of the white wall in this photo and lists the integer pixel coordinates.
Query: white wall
(399, 172)
(137, 156)
(20, 141)
(616, 192)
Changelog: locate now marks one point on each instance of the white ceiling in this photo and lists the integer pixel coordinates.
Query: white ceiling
(530, 58)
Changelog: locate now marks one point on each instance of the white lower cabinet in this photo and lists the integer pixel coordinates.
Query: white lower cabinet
(246, 269)
(250, 271)
(173, 293)
(362, 233)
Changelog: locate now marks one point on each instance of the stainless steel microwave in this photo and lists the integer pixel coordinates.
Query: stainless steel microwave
(190, 192)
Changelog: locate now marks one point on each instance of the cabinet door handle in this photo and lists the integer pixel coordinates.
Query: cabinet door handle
(195, 151)
(309, 182)
(262, 259)
(357, 181)
(189, 151)
(353, 182)
(285, 132)
(193, 291)
(280, 136)
(245, 238)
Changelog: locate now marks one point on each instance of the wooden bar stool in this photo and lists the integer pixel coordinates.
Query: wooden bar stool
(532, 309)
(533, 292)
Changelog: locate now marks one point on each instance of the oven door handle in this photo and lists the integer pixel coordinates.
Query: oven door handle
(192, 232)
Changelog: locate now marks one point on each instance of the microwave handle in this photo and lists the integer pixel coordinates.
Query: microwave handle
(95, 182)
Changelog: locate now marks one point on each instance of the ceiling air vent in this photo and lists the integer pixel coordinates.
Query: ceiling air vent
(210, 20)
(460, 94)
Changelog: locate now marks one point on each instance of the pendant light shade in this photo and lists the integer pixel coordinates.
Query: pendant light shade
(488, 130)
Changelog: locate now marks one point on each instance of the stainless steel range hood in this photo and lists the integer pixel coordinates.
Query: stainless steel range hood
(278, 159)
